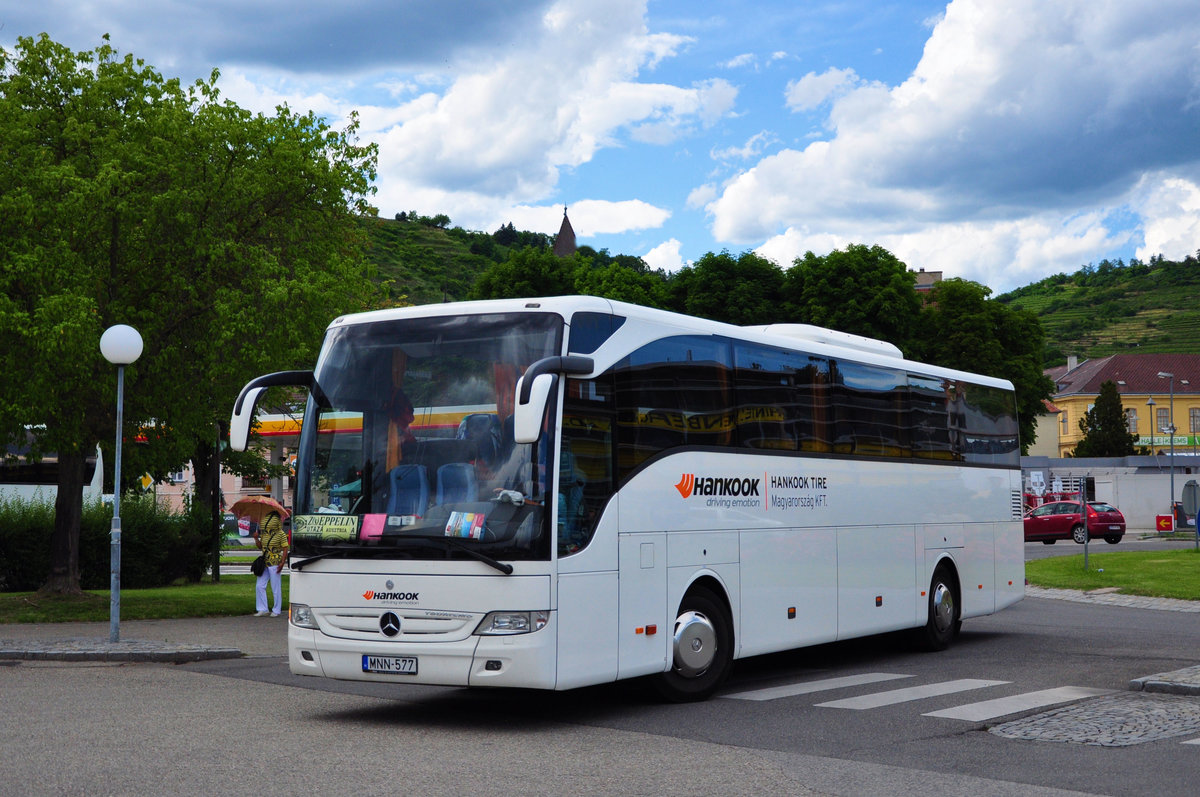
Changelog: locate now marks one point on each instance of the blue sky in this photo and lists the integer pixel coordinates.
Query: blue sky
(1000, 142)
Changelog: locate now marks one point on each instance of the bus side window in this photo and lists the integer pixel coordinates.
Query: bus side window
(585, 474)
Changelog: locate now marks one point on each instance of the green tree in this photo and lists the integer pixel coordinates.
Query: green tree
(623, 283)
(228, 239)
(529, 272)
(862, 290)
(1105, 427)
(961, 328)
(744, 290)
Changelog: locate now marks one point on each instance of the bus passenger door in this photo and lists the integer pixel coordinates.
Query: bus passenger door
(643, 631)
(587, 610)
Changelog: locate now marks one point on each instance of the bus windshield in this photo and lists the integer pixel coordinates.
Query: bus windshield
(407, 447)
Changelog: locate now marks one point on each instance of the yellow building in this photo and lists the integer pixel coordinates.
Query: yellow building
(1159, 392)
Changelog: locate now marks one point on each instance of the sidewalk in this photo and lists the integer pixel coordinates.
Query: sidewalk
(171, 641)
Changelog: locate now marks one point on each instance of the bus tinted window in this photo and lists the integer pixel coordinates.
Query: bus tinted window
(585, 470)
(989, 419)
(782, 399)
(590, 330)
(869, 411)
(670, 393)
(931, 422)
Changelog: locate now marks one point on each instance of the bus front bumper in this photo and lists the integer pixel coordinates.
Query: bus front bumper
(518, 660)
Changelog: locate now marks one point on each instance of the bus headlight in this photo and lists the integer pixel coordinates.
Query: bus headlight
(302, 616)
(504, 623)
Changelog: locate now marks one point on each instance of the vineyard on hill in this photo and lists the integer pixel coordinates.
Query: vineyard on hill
(1117, 308)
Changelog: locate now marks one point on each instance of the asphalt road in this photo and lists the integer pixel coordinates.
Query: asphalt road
(247, 726)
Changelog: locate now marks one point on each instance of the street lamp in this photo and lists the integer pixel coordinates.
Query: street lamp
(1170, 429)
(120, 345)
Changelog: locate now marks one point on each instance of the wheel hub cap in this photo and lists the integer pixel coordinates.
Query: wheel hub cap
(943, 607)
(695, 644)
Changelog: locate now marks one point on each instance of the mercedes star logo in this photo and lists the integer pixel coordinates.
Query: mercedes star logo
(389, 624)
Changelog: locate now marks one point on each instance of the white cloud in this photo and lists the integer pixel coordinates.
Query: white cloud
(1000, 254)
(502, 132)
(811, 90)
(666, 256)
(589, 217)
(752, 148)
(701, 195)
(745, 59)
(1024, 127)
(1171, 208)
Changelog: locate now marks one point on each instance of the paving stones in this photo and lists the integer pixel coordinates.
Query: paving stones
(1117, 720)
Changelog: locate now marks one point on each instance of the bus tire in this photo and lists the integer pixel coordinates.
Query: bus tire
(944, 615)
(702, 649)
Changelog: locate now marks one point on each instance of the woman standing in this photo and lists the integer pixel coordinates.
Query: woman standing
(272, 540)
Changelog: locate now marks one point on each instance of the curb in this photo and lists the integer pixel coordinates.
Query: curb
(1177, 682)
(103, 650)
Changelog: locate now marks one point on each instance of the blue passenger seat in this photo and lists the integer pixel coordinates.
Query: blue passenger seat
(409, 490)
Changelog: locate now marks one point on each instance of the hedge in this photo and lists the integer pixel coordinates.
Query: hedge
(158, 548)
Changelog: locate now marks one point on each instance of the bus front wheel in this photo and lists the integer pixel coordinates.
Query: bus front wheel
(945, 615)
(702, 649)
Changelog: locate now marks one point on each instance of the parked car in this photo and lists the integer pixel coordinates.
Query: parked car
(1063, 520)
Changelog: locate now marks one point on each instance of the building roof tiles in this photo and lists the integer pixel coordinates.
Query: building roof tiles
(1133, 374)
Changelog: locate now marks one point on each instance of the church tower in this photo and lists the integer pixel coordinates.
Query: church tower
(564, 244)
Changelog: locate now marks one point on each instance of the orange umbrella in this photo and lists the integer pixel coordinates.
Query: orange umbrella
(257, 507)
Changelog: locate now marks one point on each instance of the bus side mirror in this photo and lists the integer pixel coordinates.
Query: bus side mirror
(527, 417)
(243, 415)
(243, 408)
(533, 392)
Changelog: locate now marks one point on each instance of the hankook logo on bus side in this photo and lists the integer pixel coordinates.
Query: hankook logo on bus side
(690, 484)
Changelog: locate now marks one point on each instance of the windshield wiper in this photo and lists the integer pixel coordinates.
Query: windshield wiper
(503, 567)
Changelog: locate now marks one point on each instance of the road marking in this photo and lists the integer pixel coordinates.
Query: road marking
(894, 696)
(1192, 741)
(988, 709)
(807, 687)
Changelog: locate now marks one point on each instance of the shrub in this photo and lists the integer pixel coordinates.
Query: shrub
(157, 547)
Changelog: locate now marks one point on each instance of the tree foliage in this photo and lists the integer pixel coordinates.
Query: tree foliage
(961, 328)
(528, 272)
(863, 290)
(1105, 427)
(227, 238)
(740, 290)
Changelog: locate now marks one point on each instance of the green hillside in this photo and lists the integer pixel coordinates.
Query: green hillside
(1115, 308)
(421, 259)
(1099, 310)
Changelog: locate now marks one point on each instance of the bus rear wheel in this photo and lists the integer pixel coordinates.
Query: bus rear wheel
(945, 616)
(702, 649)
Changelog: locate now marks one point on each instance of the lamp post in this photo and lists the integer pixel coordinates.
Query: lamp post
(120, 345)
(1170, 429)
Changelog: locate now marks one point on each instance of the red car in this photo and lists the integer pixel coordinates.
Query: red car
(1061, 520)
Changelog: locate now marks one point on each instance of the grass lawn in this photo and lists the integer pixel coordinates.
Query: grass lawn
(232, 595)
(1162, 574)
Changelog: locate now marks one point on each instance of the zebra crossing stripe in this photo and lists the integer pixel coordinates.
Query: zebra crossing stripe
(808, 687)
(989, 709)
(894, 696)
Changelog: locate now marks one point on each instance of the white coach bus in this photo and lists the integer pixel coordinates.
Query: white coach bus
(566, 491)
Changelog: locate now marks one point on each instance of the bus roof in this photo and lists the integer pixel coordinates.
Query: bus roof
(817, 340)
